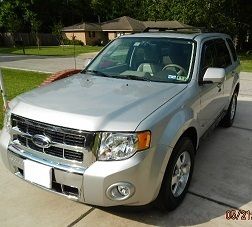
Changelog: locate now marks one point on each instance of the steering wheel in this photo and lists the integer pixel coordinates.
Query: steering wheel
(181, 69)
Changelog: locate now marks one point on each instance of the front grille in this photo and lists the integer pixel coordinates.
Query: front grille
(71, 155)
(68, 144)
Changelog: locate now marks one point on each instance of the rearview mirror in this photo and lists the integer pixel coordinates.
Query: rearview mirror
(214, 75)
(87, 62)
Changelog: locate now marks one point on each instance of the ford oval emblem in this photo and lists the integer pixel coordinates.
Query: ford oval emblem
(41, 141)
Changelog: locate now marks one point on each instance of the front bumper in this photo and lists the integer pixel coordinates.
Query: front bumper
(66, 180)
(89, 185)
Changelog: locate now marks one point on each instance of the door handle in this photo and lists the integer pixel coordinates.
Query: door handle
(219, 85)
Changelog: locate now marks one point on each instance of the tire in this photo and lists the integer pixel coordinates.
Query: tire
(228, 119)
(169, 196)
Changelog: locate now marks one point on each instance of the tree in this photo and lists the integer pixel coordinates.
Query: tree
(111, 9)
(57, 31)
(231, 16)
(211, 14)
(9, 19)
(35, 24)
(46, 11)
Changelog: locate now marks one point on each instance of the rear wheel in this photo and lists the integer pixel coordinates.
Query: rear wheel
(177, 176)
(228, 119)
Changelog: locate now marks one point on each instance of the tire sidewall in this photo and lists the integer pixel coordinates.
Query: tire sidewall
(230, 108)
(169, 201)
(227, 121)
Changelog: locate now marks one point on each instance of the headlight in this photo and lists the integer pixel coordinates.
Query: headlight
(7, 119)
(119, 146)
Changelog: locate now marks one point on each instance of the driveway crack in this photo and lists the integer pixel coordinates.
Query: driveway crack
(242, 128)
(213, 200)
(81, 217)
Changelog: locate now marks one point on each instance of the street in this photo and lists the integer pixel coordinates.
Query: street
(43, 63)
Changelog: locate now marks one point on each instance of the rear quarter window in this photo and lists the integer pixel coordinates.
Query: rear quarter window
(232, 48)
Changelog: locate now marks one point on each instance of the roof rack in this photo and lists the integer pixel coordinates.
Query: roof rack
(186, 29)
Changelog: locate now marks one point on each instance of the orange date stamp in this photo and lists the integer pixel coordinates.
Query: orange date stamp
(243, 215)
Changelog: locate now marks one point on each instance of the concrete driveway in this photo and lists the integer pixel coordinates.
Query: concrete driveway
(43, 63)
(222, 181)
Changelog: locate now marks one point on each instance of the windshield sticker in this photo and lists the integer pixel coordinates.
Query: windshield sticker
(136, 44)
(173, 77)
(181, 78)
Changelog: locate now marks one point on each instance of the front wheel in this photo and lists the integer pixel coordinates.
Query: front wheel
(177, 176)
(228, 119)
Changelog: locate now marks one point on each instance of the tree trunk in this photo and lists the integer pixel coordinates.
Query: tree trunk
(12, 35)
(38, 40)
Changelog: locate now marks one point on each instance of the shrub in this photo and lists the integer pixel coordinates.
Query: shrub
(72, 42)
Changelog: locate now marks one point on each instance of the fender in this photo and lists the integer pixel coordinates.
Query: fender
(236, 82)
(175, 128)
(177, 125)
(166, 137)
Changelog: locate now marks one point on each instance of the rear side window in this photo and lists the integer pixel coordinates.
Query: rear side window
(232, 48)
(223, 58)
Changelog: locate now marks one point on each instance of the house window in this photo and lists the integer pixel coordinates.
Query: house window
(91, 34)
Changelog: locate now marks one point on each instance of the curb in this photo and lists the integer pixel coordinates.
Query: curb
(29, 70)
(60, 75)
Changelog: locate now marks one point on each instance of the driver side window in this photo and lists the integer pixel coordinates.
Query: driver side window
(207, 58)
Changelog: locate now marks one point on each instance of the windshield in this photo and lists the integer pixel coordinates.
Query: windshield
(151, 59)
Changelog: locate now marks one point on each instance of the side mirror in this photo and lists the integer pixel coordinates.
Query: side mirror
(87, 62)
(214, 75)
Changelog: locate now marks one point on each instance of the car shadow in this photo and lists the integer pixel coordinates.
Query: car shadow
(222, 179)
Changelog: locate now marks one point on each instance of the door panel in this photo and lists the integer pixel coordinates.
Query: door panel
(212, 103)
(211, 95)
(223, 60)
(228, 84)
(232, 72)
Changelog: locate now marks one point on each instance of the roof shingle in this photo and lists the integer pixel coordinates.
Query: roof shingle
(83, 27)
(125, 23)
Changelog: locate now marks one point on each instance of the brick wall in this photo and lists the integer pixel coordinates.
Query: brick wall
(60, 75)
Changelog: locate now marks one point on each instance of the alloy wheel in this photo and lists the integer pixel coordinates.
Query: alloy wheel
(181, 174)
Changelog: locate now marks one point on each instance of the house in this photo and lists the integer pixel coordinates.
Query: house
(95, 33)
(88, 33)
(121, 26)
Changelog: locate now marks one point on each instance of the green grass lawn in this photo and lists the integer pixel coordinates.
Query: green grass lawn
(50, 50)
(246, 62)
(17, 82)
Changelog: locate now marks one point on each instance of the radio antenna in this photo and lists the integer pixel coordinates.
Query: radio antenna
(73, 38)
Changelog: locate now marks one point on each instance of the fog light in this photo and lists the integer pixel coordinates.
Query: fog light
(123, 190)
(120, 191)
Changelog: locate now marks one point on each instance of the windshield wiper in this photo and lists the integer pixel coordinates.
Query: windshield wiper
(97, 73)
(133, 77)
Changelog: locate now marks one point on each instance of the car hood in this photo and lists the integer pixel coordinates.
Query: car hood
(95, 103)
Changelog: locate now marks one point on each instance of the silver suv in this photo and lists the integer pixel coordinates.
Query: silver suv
(125, 130)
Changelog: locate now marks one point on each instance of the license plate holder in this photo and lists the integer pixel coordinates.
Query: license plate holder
(38, 173)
